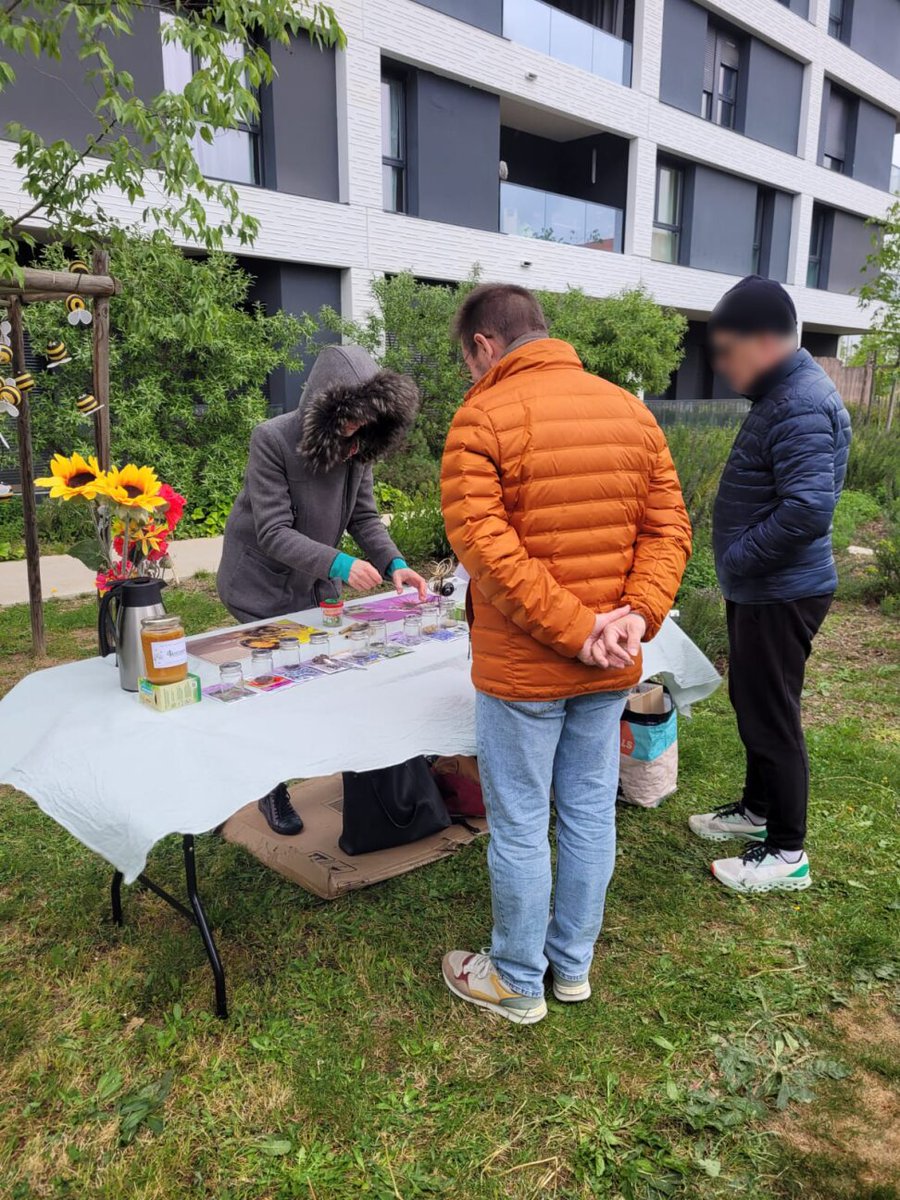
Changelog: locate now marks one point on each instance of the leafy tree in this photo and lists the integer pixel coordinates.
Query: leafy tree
(626, 338)
(881, 293)
(188, 364)
(135, 135)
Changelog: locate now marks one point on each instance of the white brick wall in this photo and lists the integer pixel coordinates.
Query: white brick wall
(359, 237)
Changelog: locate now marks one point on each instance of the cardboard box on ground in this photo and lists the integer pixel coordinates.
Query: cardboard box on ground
(314, 859)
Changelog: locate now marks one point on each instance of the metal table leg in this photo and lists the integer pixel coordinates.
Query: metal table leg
(195, 914)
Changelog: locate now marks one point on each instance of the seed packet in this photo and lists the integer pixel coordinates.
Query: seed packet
(394, 650)
(446, 635)
(270, 683)
(330, 664)
(227, 693)
(302, 674)
(362, 658)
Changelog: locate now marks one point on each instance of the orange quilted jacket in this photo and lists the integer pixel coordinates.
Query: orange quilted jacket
(561, 501)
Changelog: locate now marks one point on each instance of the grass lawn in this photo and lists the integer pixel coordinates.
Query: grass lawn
(733, 1047)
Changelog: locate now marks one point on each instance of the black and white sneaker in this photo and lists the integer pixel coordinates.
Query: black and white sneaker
(728, 821)
(762, 869)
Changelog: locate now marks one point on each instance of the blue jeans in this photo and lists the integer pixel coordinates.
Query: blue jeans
(523, 748)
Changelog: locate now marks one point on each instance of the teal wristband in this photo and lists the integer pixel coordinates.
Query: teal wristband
(341, 567)
(396, 564)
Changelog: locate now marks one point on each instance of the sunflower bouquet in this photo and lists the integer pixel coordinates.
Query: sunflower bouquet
(134, 516)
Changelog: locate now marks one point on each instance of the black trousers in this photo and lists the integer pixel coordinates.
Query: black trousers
(768, 645)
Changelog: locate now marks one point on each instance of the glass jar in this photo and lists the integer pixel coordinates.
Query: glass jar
(448, 613)
(288, 654)
(430, 616)
(412, 629)
(320, 643)
(165, 649)
(377, 635)
(231, 674)
(261, 664)
(332, 612)
(359, 639)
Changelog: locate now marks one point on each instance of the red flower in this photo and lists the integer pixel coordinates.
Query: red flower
(105, 579)
(175, 503)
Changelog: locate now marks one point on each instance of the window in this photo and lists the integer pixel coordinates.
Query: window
(720, 77)
(762, 232)
(815, 271)
(838, 110)
(233, 154)
(839, 15)
(612, 16)
(666, 243)
(393, 143)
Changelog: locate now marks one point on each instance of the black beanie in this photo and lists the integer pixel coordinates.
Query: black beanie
(755, 305)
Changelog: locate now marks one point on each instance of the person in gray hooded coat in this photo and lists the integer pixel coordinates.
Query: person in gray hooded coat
(308, 480)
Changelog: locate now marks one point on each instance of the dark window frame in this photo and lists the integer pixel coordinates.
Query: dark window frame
(817, 262)
(398, 165)
(676, 229)
(717, 101)
(840, 20)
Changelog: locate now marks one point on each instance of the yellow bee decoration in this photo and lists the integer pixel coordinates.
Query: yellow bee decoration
(10, 398)
(57, 354)
(79, 313)
(78, 267)
(25, 381)
(5, 356)
(86, 403)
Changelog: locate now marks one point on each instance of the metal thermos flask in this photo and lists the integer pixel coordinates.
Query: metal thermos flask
(122, 609)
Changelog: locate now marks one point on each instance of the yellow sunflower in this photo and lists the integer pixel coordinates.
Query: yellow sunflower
(134, 487)
(73, 478)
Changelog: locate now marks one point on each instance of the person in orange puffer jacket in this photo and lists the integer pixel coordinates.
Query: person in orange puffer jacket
(562, 502)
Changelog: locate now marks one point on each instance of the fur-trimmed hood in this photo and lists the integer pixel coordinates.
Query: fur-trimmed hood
(345, 387)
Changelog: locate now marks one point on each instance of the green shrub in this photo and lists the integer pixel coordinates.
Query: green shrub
(188, 364)
(854, 509)
(702, 617)
(885, 585)
(699, 455)
(700, 573)
(417, 528)
(874, 465)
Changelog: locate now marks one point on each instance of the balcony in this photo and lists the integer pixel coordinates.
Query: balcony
(550, 217)
(566, 38)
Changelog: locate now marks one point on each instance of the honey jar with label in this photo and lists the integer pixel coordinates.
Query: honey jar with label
(165, 649)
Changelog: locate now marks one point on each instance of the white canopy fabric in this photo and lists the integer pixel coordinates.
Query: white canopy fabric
(120, 776)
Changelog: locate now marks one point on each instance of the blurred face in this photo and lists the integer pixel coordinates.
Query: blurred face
(742, 359)
(349, 438)
(486, 351)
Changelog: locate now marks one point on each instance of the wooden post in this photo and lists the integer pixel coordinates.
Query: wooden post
(100, 266)
(26, 475)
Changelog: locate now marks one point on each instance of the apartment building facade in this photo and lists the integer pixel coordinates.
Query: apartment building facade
(598, 144)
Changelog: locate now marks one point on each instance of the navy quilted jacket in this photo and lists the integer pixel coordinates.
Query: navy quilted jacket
(776, 499)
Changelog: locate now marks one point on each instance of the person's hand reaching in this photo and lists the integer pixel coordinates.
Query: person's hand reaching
(363, 576)
(407, 577)
(586, 653)
(619, 642)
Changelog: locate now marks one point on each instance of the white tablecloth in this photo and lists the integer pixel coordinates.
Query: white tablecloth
(120, 776)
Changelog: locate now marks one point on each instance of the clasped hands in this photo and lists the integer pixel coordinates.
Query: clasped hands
(615, 640)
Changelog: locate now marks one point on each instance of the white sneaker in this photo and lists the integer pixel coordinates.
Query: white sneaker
(759, 870)
(570, 991)
(728, 821)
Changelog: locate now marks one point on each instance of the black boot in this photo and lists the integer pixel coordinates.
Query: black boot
(276, 807)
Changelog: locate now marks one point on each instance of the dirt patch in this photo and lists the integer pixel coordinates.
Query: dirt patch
(866, 1138)
(855, 653)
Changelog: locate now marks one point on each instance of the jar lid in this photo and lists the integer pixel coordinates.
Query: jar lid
(160, 624)
(332, 603)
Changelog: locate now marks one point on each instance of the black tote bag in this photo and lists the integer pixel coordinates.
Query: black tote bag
(391, 807)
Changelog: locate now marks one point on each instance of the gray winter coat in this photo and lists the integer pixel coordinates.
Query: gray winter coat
(301, 491)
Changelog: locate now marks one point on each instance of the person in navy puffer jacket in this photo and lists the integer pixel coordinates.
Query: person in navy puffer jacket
(772, 542)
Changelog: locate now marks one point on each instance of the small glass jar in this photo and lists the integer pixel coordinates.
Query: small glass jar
(165, 649)
(377, 635)
(320, 643)
(261, 664)
(288, 654)
(359, 639)
(448, 613)
(430, 617)
(332, 612)
(231, 677)
(412, 629)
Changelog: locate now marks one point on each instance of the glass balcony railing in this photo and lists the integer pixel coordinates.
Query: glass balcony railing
(542, 27)
(529, 212)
